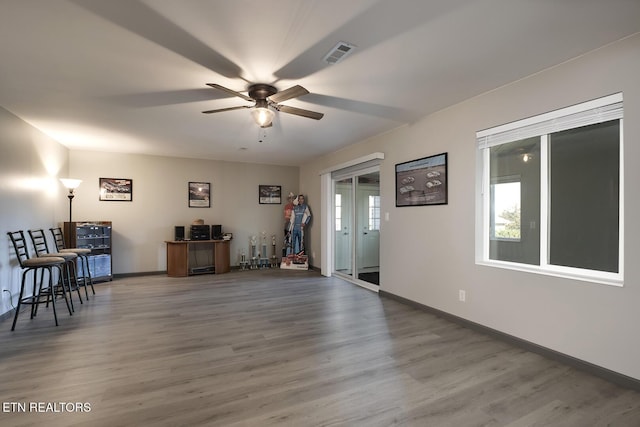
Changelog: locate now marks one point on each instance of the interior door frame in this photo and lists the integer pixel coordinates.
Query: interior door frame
(326, 203)
(353, 174)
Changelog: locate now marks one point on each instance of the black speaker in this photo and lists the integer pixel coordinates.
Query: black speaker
(179, 232)
(216, 232)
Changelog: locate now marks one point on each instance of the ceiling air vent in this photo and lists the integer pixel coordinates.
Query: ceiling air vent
(339, 52)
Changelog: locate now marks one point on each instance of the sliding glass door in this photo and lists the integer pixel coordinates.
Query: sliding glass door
(356, 225)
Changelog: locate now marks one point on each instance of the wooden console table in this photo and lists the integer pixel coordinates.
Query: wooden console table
(182, 257)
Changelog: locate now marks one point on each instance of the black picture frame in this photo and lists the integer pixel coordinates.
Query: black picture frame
(423, 182)
(115, 189)
(269, 194)
(199, 194)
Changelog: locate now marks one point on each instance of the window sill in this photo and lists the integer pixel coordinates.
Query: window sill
(609, 279)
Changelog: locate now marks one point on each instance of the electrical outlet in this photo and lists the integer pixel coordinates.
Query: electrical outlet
(462, 295)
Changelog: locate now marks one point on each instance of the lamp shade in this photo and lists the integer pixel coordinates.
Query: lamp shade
(70, 183)
(263, 116)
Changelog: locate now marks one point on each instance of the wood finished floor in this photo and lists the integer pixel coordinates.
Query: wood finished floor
(286, 348)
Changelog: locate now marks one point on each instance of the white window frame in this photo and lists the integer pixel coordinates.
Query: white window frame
(591, 112)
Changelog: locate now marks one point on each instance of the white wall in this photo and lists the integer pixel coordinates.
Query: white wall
(141, 227)
(30, 193)
(427, 253)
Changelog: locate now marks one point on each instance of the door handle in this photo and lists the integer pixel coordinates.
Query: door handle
(365, 233)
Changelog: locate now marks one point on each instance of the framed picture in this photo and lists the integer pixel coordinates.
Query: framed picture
(422, 182)
(116, 189)
(199, 194)
(269, 194)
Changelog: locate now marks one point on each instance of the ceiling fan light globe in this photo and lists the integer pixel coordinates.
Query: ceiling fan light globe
(262, 116)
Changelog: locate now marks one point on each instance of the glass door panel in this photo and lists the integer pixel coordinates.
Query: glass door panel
(367, 238)
(343, 223)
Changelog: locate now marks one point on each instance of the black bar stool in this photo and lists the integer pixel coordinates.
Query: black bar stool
(33, 265)
(42, 249)
(83, 254)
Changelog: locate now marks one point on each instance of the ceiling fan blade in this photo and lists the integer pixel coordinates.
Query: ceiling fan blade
(300, 112)
(146, 22)
(229, 91)
(220, 110)
(292, 92)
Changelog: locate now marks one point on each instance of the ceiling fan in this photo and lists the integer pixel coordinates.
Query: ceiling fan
(266, 96)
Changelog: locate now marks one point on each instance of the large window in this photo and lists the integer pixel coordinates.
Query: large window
(551, 193)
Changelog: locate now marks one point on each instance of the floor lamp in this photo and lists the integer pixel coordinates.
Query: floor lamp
(70, 184)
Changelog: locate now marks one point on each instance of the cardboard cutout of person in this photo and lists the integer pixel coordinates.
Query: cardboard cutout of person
(288, 210)
(300, 218)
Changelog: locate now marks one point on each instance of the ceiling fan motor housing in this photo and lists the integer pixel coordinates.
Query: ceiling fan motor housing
(261, 91)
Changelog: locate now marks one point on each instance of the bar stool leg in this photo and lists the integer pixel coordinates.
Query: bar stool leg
(52, 294)
(64, 287)
(71, 265)
(65, 283)
(15, 316)
(87, 273)
(64, 295)
(36, 295)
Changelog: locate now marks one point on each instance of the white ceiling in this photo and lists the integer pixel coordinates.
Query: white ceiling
(129, 75)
